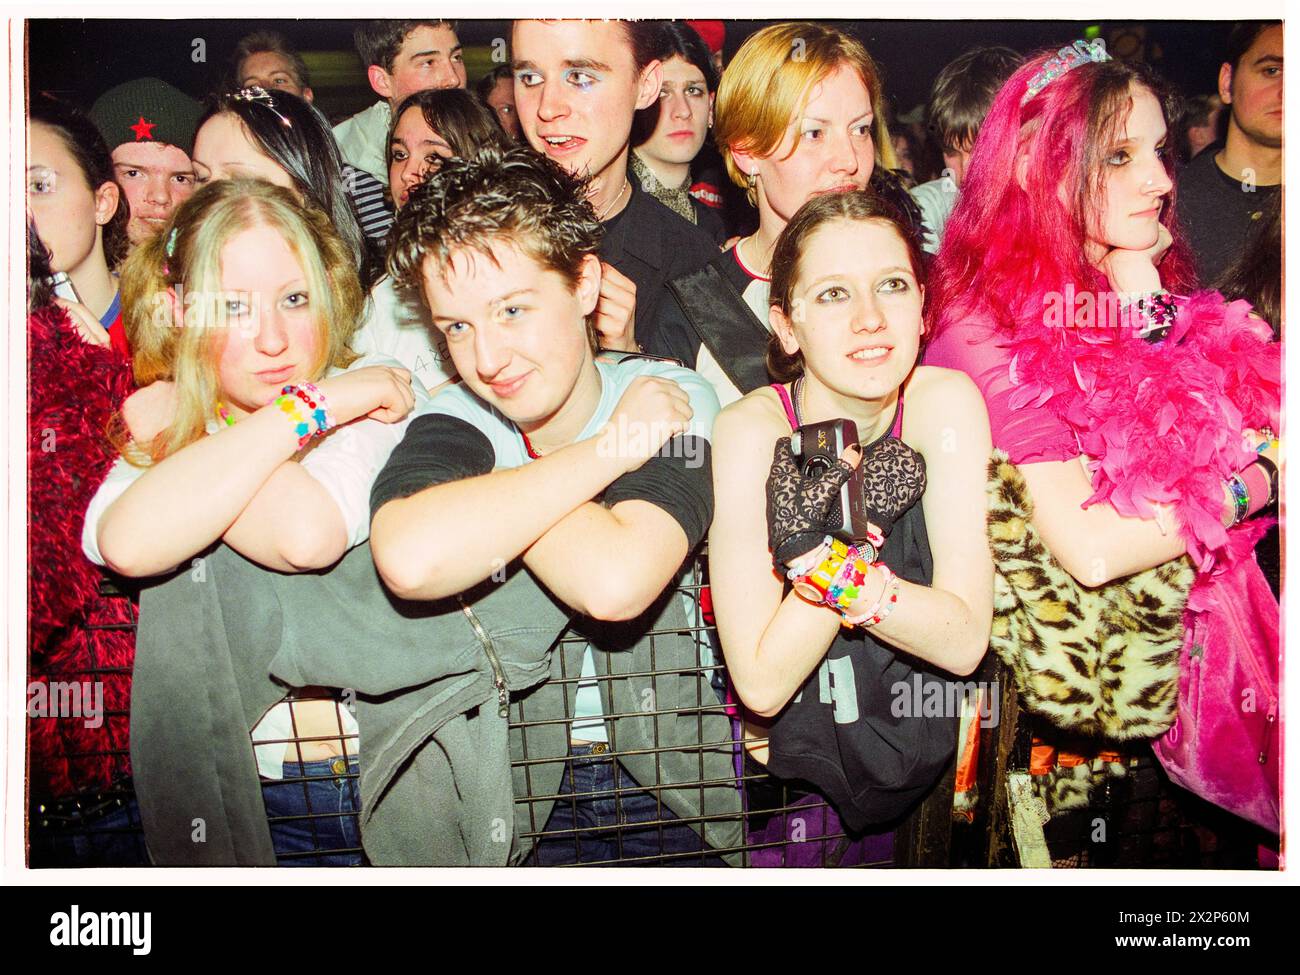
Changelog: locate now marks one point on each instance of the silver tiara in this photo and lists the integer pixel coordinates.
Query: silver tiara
(260, 96)
(1066, 60)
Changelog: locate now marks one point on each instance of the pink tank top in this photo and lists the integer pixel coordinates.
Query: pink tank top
(1030, 432)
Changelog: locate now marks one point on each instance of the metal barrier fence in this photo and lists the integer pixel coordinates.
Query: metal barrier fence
(313, 810)
(624, 823)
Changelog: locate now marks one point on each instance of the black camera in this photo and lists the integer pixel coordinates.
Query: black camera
(817, 446)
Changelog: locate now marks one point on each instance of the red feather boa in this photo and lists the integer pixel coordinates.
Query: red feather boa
(1161, 423)
(73, 391)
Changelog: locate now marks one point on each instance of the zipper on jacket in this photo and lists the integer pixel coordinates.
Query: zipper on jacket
(498, 674)
(1269, 720)
(1257, 673)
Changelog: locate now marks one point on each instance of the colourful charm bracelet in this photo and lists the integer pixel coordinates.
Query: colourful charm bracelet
(310, 396)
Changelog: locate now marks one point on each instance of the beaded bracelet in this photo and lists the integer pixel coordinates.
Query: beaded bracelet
(809, 560)
(835, 581)
(846, 588)
(883, 606)
(310, 394)
(311, 397)
(815, 583)
(870, 548)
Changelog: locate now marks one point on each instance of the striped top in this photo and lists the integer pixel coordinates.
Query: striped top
(366, 193)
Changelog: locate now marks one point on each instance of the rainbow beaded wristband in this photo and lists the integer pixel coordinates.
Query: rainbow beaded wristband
(310, 424)
(813, 584)
(846, 588)
(837, 580)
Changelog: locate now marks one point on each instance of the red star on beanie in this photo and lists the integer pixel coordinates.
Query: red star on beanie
(142, 129)
(146, 110)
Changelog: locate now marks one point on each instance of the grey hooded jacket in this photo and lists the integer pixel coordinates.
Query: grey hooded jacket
(218, 644)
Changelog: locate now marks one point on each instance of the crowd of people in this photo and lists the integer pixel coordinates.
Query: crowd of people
(358, 420)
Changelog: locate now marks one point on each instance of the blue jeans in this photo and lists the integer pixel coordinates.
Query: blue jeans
(113, 839)
(594, 823)
(313, 814)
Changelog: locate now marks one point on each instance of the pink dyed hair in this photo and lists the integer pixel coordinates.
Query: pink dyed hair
(1005, 247)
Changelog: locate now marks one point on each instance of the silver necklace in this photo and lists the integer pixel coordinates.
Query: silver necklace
(612, 203)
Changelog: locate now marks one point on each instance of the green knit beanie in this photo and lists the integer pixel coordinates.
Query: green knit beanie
(146, 110)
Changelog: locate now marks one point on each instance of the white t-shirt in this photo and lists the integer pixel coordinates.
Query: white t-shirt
(937, 199)
(344, 461)
(399, 326)
(363, 139)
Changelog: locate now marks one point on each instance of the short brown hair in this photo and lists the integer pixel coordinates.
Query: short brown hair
(264, 41)
(512, 194)
(645, 37)
(787, 257)
(1243, 36)
(964, 91)
(378, 41)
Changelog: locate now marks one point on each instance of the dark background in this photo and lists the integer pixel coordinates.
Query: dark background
(79, 59)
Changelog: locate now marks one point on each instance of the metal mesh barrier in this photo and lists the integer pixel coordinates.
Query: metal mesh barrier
(600, 815)
(621, 822)
(313, 809)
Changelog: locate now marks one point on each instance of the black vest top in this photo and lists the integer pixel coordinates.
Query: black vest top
(863, 729)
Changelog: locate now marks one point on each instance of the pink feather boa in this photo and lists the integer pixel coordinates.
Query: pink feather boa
(1160, 422)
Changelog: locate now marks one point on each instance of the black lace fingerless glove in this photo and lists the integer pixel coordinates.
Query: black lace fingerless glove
(797, 505)
(893, 479)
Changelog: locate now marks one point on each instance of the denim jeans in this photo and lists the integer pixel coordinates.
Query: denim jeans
(313, 813)
(113, 839)
(597, 824)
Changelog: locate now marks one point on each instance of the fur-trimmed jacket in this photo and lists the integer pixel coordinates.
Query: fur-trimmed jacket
(80, 643)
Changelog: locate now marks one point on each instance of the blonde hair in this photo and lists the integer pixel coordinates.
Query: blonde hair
(768, 82)
(174, 305)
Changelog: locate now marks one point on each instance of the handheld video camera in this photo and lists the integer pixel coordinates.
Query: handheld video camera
(817, 446)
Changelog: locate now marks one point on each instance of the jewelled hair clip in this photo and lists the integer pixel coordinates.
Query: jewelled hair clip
(1066, 60)
(260, 96)
(169, 249)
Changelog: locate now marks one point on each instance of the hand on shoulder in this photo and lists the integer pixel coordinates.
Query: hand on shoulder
(380, 392)
(651, 411)
(150, 410)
